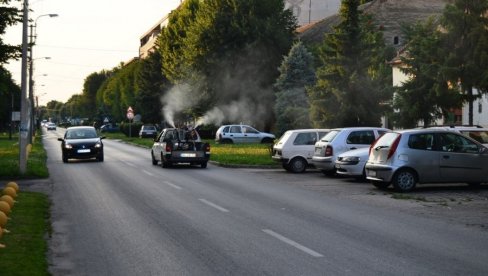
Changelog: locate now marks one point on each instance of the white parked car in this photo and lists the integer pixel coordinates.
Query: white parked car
(351, 163)
(341, 140)
(294, 150)
(228, 134)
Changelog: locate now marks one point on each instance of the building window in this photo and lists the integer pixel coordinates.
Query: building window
(396, 40)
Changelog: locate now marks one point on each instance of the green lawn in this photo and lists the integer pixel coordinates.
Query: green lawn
(9, 161)
(225, 154)
(26, 246)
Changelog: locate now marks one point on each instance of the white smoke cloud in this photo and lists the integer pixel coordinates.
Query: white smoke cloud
(176, 100)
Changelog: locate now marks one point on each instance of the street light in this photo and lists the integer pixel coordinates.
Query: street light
(32, 42)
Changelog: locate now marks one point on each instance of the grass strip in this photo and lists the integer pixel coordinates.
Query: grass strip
(26, 245)
(9, 163)
(225, 154)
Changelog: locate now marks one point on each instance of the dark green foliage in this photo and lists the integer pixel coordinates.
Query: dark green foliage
(9, 91)
(353, 80)
(292, 105)
(8, 16)
(130, 129)
(231, 50)
(152, 84)
(466, 39)
(425, 96)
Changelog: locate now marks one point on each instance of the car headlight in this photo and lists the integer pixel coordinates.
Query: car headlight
(68, 146)
(98, 145)
(351, 159)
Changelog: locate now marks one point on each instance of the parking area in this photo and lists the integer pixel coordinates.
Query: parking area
(453, 203)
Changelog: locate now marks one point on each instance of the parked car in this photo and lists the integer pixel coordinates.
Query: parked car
(405, 158)
(109, 128)
(294, 150)
(340, 140)
(478, 133)
(81, 142)
(352, 163)
(174, 145)
(242, 134)
(148, 131)
(51, 126)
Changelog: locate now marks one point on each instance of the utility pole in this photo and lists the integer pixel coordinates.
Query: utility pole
(24, 118)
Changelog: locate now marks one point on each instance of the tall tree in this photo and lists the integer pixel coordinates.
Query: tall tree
(292, 104)
(353, 78)
(9, 16)
(90, 87)
(231, 51)
(466, 37)
(425, 96)
(152, 84)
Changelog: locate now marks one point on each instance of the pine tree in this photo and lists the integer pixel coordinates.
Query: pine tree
(353, 78)
(292, 105)
(466, 39)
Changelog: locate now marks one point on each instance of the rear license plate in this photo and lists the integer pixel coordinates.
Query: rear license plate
(83, 150)
(188, 155)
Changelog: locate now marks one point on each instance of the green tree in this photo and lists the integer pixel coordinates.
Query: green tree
(353, 79)
(425, 96)
(292, 105)
(466, 39)
(231, 51)
(10, 94)
(152, 84)
(8, 16)
(89, 95)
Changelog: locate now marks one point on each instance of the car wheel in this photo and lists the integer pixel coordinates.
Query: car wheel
(474, 184)
(267, 140)
(65, 159)
(380, 185)
(164, 164)
(203, 165)
(100, 157)
(404, 180)
(286, 167)
(154, 161)
(297, 165)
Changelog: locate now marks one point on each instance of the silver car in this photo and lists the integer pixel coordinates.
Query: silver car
(405, 158)
(340, 140)
(352, 163)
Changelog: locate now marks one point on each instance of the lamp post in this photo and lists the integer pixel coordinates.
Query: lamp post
(32, 42)
(24, 129)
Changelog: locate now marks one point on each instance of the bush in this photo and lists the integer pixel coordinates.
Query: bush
(133, 128)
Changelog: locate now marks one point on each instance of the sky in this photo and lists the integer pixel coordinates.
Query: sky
(87, 36)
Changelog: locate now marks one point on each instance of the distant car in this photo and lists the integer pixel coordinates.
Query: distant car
(352, 163)
(341, 140)
(51, 126)
(228, 134)
(294, 149)
(478, 133)
(109, 128)
(174, 145)
(148, 131)
(81, 142)
(405, 158)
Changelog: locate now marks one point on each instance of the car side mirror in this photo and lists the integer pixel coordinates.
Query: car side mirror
(102, 137)
(60, 139)
(483, 150)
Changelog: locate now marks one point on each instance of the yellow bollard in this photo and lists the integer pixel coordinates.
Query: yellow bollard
(13, 185)
(4, 207)
(8, 199)
(10, 191)
(3, 219)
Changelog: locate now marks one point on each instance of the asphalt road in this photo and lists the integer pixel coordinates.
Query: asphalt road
(125, 216)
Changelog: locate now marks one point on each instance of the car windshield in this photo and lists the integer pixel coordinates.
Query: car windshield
(81, 134)
(149, 128)
(330, 136)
